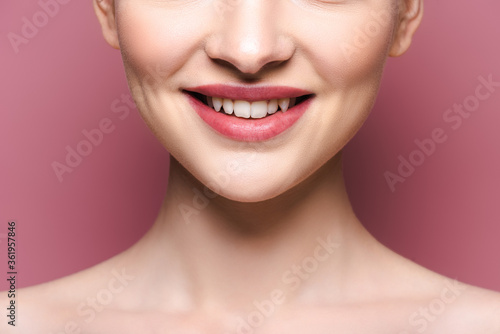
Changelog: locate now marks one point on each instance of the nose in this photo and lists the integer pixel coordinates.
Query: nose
(249, 36)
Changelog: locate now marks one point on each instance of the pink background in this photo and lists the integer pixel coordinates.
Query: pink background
(446, 216)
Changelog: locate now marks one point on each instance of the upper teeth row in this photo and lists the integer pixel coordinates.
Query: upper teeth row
(245, 109)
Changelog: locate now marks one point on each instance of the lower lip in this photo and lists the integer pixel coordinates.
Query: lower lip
(249, 129)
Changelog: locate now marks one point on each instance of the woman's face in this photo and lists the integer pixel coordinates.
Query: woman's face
(329, 53)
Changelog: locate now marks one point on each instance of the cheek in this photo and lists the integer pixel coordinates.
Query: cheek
(155, 40)
(354, 48)
(349, 57)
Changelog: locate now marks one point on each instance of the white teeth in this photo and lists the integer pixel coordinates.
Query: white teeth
(272, 107)
(242, 108)
(245, 109)
(284, 104)
(258, 109)
(217, 103)
(228, 106)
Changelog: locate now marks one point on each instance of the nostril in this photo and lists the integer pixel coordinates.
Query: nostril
(248, 56)
(248, 73)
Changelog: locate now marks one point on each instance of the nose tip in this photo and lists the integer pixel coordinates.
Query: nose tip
(249, 39)
(247, 55)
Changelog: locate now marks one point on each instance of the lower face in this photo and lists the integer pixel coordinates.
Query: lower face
(184, 59)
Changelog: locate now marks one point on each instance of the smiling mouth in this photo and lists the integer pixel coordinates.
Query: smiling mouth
(247, 109)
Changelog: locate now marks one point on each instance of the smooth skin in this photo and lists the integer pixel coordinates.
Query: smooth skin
(257, 237)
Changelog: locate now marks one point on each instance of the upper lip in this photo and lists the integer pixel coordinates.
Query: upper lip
(249, 93)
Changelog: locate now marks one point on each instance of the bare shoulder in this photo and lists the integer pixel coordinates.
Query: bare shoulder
(476, 310)
(67, 304)
(439, 304)
(29, 308)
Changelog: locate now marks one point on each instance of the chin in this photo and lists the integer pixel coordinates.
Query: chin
(247, 193)
(247, 185)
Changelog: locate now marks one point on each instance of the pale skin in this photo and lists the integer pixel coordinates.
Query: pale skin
(269, 228)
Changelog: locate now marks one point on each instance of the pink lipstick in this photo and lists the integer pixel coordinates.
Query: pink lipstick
(249, 113)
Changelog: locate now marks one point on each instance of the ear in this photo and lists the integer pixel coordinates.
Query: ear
(105, 11)
(410, 16)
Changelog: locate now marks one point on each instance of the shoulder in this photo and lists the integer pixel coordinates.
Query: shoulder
(28, 306)
(68, 304)
(458, 308)
(437, 304)
(475, 310)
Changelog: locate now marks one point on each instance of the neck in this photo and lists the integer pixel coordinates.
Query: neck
(220, 253)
